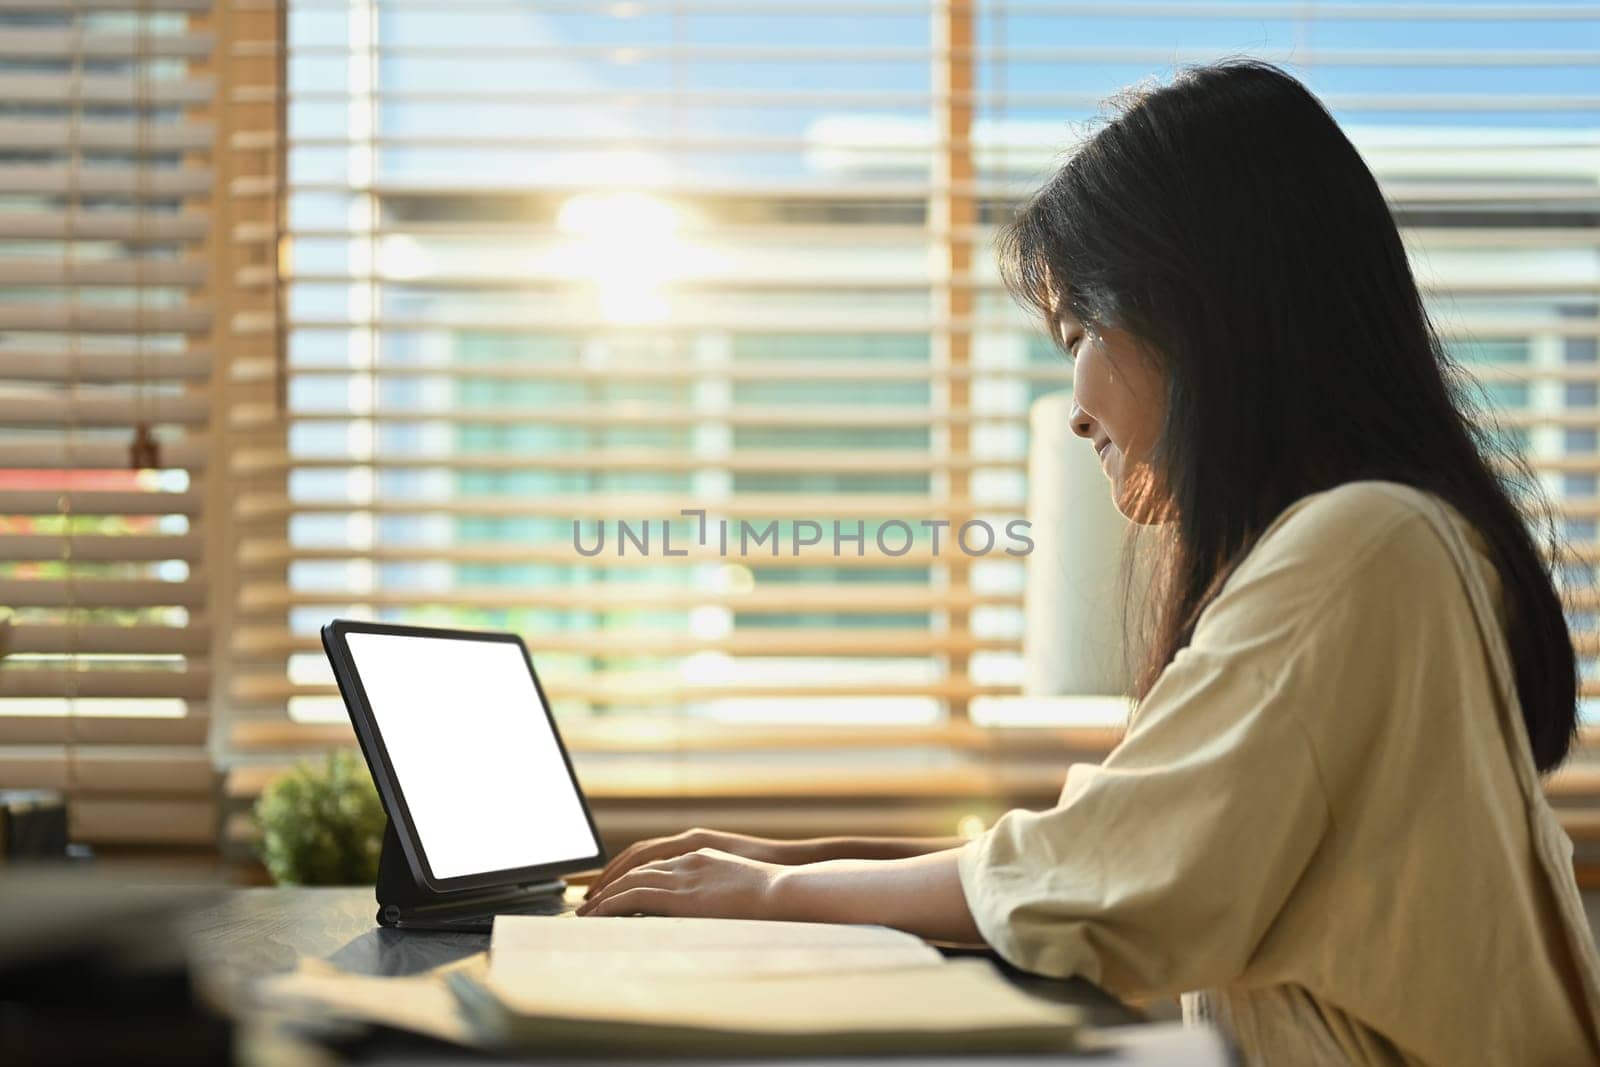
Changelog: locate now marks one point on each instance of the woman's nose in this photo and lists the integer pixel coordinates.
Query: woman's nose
(1081, 423)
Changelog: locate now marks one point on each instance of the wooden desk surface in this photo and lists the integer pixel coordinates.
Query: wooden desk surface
(253, 933)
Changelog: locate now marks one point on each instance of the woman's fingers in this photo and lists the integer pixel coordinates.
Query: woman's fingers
(645, 900)
(639, 853)
(654, 876)
(706, 882)
(627, 860)
(622, 861)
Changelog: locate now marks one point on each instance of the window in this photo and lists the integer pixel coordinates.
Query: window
(105, 358)
(552, 266)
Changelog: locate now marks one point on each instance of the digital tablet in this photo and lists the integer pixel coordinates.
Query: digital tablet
(466, 756)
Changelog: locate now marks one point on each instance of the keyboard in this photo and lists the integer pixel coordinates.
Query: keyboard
(477, 922)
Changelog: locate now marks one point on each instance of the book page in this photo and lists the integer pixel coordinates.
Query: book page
(530, 948)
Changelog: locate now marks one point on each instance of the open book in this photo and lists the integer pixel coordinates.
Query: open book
(647, 985)
(708, 986)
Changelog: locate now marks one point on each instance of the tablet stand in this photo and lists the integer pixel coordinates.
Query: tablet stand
(405, 904)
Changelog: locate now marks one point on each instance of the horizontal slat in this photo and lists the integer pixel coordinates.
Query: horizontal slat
(261, 416)
(1495, 236)
(190, 729)
(264, 140)
(66, 6)
(258, 555)
(264, 464)
(251, 324)
(865, 598)
(248, 643)
(249, 462)
(677, 781)
(126, 273)
(98, 502)
(636, 370)
(621, 690)
(132, 183)
(257, 323)
(136, 821)
(688, 100)
(759, 510)
(680, 738)
(135, 226)
(255, 418)
(22, 43)
(19, 681)
(85, 770)
(657, 734)
(100, 547)
(100, 593)
(101, 407)
(112, 89)
(1412, 194)
(58, 134)
(119, 640)
(118, 366)
(246, 369)
(81, 319)
(1139, 55)
(1576, 418)
(1527, 373)
(622, 822)
(66, 453)
(866, 143)
(847, 280)
(1250, 10)
(143, 772)
(916, 233)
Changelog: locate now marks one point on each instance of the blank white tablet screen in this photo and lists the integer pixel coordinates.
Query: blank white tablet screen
(473, 751)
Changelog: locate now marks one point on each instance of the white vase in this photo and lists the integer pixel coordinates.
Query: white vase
(1073, 644)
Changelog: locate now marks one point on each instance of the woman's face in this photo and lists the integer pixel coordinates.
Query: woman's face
(1118, 405)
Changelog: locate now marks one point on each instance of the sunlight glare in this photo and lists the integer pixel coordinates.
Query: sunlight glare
(627, 245)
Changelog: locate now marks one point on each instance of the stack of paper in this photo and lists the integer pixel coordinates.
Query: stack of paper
(744, 987)
(702, 986)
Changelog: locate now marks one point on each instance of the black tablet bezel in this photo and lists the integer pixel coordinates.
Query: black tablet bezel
(377, 755)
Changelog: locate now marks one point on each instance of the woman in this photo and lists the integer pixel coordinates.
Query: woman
(1324, 826)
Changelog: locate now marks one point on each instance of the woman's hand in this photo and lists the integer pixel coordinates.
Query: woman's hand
(919, 894)
(705, 883)
(763, 849)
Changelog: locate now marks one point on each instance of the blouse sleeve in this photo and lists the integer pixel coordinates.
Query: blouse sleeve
(1159, 870)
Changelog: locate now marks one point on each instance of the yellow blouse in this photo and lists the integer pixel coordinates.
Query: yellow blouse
(1323, 827)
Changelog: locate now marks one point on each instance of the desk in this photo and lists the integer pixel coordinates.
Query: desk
(253, 933)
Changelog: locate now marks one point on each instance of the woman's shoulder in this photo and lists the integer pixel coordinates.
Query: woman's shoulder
(1352, 527)
(1354, 513)
(1372, 544)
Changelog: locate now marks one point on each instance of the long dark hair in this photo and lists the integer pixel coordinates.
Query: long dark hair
(1227, 223)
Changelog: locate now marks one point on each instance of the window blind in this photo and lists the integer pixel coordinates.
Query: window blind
(106, 134)
(550, 264)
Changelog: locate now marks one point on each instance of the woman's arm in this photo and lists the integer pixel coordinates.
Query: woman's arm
(768, 850)
(819, 849)
(919, 894)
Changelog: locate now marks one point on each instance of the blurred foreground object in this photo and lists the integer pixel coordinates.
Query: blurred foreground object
(93, 969)
(322, 825)
(33, 825)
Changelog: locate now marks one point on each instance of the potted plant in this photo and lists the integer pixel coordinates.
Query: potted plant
(322, 825)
